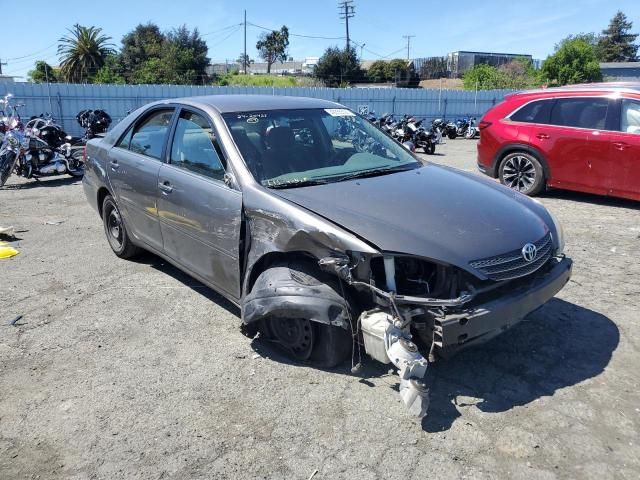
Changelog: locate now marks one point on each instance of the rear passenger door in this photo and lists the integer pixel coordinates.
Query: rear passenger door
(200, 215)
(134, 163)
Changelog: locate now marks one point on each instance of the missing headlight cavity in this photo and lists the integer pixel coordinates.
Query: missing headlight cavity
(413, 276)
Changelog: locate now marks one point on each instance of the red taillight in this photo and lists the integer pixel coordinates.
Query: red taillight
(483, 124)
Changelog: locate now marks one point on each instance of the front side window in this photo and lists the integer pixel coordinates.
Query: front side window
(194, 146)
(580, 112)
(630, 119)
(149, 136)
(289, 148)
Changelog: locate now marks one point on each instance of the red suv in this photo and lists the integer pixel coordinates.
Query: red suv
(584, 138)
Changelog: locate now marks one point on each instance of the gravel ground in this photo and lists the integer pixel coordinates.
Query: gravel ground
(130, 369)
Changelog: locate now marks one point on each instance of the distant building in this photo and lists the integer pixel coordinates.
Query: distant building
(7, 78)
(460, 62)
(621, 71)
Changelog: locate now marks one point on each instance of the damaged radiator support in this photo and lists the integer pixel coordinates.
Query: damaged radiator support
(387, 340)
(387, 336)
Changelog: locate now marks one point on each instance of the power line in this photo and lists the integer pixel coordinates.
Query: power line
(296, 34)
(220, 30)
(32, 54)
(347, 10)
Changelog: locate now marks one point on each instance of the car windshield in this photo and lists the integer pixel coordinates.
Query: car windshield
(291, 148)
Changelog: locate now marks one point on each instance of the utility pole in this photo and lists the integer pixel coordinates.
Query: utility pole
(2, 63)
(408, 37)
(244, 58)
(346, 10)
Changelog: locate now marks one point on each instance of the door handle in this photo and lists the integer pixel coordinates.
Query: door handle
(165, 186)
(621, 145)
(114, 165)
(542, 136)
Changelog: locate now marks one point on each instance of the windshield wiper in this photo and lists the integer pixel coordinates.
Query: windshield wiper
(298, 183)
(378, 171)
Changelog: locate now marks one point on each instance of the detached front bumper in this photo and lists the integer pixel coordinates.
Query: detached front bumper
(480, 323)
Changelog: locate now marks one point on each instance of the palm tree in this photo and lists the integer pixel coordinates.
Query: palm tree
(83, 52)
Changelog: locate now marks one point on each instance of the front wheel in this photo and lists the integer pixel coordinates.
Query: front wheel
(523, 172)
(452, 135)
(430, 148)
(471, 132)
(7, 163)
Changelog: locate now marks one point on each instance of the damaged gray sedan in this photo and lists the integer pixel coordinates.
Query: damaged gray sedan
(331, 237)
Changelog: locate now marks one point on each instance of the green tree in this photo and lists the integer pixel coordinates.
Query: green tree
(573, 62)
(151, 56)
(397, 70)
(378, 71)
(110, 72)
(339, 67)
(42, 72)
(616, 43)
(273, 46)
(83, 52)
(483, 77)
(138, 46)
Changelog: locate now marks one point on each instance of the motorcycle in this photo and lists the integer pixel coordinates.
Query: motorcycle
(25, 153)
(443, 128)
(464, 127)
(427, 139)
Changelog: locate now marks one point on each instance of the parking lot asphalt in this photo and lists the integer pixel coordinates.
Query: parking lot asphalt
(131, 369)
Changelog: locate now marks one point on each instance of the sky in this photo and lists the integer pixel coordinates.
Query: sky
(524, 27)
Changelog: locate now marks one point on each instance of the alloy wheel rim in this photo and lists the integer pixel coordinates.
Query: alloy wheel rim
(519, 173)
(114, 226)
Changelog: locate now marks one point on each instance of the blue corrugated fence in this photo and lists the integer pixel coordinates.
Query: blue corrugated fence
(64, 101)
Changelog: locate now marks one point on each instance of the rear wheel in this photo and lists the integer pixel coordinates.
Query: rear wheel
(115, 230)
(523, 172)
(452, 135)
(76, 163)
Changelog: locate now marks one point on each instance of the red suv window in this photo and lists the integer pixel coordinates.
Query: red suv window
(580, 112)
(534, 112)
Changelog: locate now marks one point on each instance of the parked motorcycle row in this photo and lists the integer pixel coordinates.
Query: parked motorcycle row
(415, 133)
(40, 147)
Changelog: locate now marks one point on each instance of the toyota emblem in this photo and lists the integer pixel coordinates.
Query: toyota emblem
(529, 252)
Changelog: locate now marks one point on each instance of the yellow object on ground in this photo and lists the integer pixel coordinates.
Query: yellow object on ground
(7, 252)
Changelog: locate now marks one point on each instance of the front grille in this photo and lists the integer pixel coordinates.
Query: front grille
(512, 265)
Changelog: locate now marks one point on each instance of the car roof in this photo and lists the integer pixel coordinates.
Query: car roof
(602, 87)
(252, 103)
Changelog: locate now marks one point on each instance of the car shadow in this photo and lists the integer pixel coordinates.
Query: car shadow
(591, 198)
(158, 263)
(560, 345)
(38, 183)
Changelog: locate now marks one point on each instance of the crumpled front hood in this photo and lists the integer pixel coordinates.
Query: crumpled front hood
(433, 212)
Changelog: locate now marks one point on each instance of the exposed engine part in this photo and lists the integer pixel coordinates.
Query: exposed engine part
(387, 341)
(390, 273)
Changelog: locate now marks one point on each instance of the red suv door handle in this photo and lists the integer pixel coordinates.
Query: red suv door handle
(542, 136)
(621, 145)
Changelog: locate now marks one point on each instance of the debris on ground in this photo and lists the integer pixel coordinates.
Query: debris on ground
(7, 251)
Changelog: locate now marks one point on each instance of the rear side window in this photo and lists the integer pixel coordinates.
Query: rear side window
(580, 112)
(149, 136)
(534, 112)
(630, 119)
